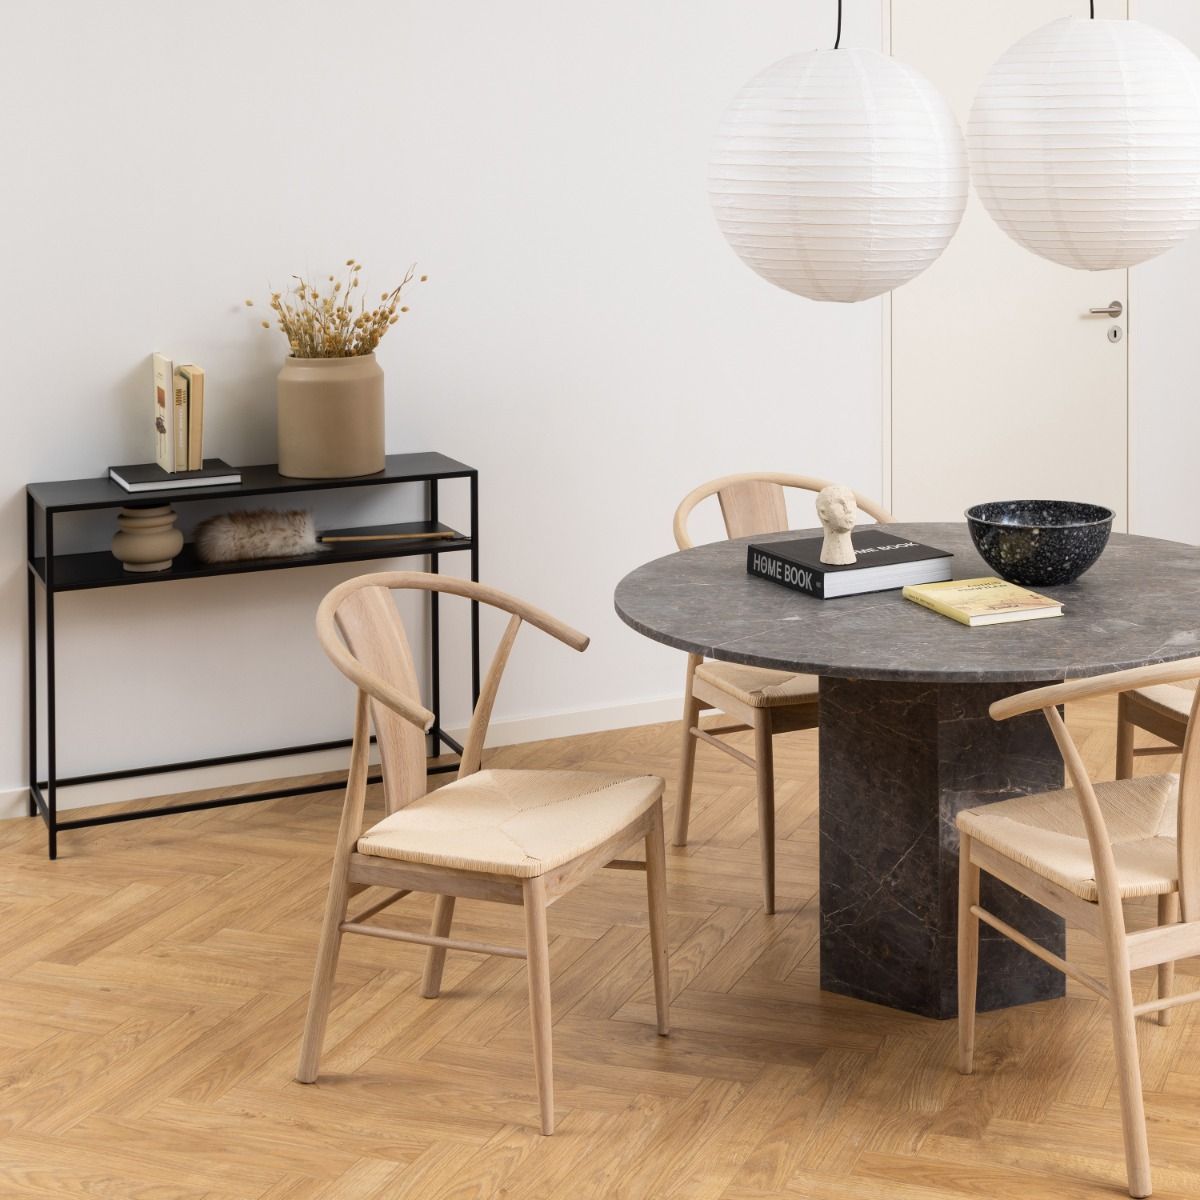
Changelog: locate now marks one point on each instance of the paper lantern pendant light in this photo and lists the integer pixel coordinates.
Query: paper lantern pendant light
(838, 174)
(1085, 142)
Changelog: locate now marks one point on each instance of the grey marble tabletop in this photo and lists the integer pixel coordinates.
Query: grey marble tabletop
(1139, 604)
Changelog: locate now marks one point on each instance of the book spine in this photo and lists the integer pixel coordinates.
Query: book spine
(779, 570)
(164, 414)
(195, 400)
(181, 421)
(944, 610)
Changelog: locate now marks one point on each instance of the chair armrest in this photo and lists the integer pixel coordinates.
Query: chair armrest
(367, 681)
(379, 689)
(565, 633)
(482, 593)
(1099, 685)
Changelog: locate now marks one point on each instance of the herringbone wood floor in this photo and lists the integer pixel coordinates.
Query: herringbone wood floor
(153, 984)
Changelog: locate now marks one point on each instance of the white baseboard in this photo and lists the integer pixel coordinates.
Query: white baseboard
(518, 730)
(513, 732)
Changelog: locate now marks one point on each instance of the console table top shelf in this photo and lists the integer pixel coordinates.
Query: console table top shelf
(68, 495)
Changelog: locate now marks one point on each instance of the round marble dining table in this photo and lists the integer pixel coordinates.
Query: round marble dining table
(906, 740)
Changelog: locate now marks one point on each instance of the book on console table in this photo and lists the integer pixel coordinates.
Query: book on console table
(193, 377)
(884, 561)
(164, 412)
(986, 601)
(150, 477)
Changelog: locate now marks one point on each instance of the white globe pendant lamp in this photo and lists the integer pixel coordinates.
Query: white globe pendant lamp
(838, 174)
(1085, 142)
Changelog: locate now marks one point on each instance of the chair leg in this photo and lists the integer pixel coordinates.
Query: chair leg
(1129, 1077)
(687, 754)
(1168, 914)
(968, 954)
(537, 945)
(764, 771)
(1125, 729)
(656, 897)
(326, 967)
(435, 959)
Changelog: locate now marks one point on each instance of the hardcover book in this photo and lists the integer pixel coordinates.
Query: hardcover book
(884, 560)
(181, 420)
(150, 477)
(986, 601)
(194, 378)
(164, 412)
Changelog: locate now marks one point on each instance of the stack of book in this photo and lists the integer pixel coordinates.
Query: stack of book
(884, 561)
(178, 415)
(178, 410)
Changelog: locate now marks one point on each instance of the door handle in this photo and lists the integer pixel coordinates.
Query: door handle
(1114, 310)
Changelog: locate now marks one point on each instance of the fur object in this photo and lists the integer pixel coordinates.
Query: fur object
(243, 536)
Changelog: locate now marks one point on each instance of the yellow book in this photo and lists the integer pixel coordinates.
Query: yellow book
(988, 601)
(194, 378)
(181, 421)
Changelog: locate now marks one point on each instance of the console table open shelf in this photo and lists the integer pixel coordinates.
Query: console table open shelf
(44, 502)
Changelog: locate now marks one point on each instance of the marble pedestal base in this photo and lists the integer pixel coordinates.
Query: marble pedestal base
(898, 761)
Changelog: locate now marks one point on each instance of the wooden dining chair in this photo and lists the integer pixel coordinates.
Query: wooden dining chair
(516, 837)
(1161, 710)
(1081, 852)
(756, 698)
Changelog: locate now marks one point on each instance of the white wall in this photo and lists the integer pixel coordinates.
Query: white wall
(1164, 356)
(586, 340)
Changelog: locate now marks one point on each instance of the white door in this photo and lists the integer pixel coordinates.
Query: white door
(1003, 385)
(1164, 364)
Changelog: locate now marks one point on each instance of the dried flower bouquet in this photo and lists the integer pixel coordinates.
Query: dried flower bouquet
(329, 325)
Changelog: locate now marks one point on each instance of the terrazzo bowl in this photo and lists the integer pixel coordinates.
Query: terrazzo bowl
(1039, 543)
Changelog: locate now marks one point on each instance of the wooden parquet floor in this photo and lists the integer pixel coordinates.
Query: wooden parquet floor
(153, 984)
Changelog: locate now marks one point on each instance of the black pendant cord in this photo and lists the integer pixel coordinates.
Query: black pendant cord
(837, 43)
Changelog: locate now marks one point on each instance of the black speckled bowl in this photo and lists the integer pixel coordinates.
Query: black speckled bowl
(1039, 543)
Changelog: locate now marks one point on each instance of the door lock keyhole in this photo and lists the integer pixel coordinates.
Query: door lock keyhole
(1114, 333)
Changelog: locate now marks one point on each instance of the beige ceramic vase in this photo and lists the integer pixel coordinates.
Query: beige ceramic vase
(330, 414)
(146, 538)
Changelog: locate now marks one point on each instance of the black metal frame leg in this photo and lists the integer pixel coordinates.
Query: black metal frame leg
(475, 579)
(51, 705)
(31, 651)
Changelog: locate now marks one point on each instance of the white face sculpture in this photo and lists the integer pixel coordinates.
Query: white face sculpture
(836, 509)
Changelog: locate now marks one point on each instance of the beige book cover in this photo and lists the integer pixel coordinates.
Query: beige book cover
(985, 601)
(181, 421)
(194, 376)
(164, 412)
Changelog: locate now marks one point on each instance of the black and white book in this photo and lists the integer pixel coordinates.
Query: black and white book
(884, 561)
(150, 477)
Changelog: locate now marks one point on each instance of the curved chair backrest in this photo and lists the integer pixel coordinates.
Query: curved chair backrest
(755, 503)
(1048, 700)
(360, 629)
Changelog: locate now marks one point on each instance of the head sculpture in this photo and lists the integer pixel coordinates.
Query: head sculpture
(837, 510)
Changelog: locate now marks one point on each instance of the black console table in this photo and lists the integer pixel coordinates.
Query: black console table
(77, 572)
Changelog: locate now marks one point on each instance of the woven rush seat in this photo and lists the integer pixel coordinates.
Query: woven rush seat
(516, 823)
(1046, 833)
(1173, 698)
(759, 687)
